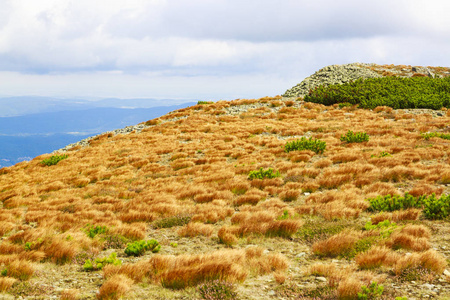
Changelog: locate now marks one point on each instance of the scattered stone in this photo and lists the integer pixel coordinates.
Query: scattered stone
(321, 279)
(271, 293)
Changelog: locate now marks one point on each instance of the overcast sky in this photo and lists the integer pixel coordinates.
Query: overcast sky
(206, 49)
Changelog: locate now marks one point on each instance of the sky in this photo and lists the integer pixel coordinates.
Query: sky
(206, 49)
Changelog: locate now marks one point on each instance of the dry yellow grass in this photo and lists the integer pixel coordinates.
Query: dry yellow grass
(197, 167)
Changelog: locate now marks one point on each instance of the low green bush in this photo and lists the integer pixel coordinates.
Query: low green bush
(92, 230)
(138, 248)
(373, 291)
(315, 145)
(433, 208)
(99, 263)
(441, 135)
(355, 137)
(396, 92)
(53, 160)
(204, 102)
(395, 202)
(436, 208)
(261, 174)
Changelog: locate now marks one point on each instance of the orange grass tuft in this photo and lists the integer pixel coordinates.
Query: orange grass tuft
(6, 283)
(336, 245)
(114, 288)
(195, 229)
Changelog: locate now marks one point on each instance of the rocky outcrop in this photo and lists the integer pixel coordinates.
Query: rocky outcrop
(338, 74)
(334, 74)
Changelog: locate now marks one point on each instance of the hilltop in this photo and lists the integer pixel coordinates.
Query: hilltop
(274, 198)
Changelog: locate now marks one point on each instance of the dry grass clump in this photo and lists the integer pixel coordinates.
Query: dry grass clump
(20, 269)
(375, 257)
(189, 270)
(410, 214)
(115, 287)
(70, 294)
(337, 245)
(429, 260)
(412, 237)
(195, 229)
(6, 283)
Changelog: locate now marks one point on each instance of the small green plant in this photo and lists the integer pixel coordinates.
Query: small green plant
(382, 154)
(261, 174)
(441, 135)
(345, 104)
(315, 145)
(92, 230)
(217, 290)
(204, 102)
(99, 263)
(138, 248)
(4, 272)
(173, 244)
(355, 137)
(401, 298)
(53, 160)
(373, 291)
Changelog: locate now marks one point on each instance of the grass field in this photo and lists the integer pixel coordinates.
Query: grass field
(307, 231)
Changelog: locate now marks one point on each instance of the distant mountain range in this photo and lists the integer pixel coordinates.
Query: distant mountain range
(42, 125)
(19, 106)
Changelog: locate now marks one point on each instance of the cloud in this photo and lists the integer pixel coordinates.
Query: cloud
(213, 40)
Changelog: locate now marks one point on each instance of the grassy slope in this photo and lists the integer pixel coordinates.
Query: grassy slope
(194, 165)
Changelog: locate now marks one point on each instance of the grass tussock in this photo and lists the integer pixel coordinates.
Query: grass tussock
(114, 288)
(6, 283)
(190, 270)
(195, 229)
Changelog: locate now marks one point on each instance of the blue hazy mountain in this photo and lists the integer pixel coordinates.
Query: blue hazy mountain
(26, 136)
(20, 106)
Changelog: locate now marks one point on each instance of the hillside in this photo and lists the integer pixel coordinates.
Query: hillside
(227, 194)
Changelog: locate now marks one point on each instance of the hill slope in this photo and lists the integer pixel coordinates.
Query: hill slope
(185, 181)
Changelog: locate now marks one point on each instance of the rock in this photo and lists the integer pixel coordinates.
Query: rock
(428, 286)
(334, 74)
(446, 272)
(301, 254)
(321, 279)
(271, 293)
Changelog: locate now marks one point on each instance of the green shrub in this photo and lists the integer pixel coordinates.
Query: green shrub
(382, 154)
(436, 209)
(217, 290)
(53, 160)
(99, 263)
(396, 92)
(433, 208)
(138, 248)
(355, 137)
(441, 135)
(204, 102)
(315, 145)
(92, 230)
(373, 291)
(395, 202)
(261, 174)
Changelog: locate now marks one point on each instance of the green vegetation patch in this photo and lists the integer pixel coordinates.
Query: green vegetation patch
(396, 92)
(373, 291)
(315, 145)
(92, 230)
(138, 248)
(53, 160)
(440, 135)
(99, 263)
(433, 208)
(355, 137)
(261, 174)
